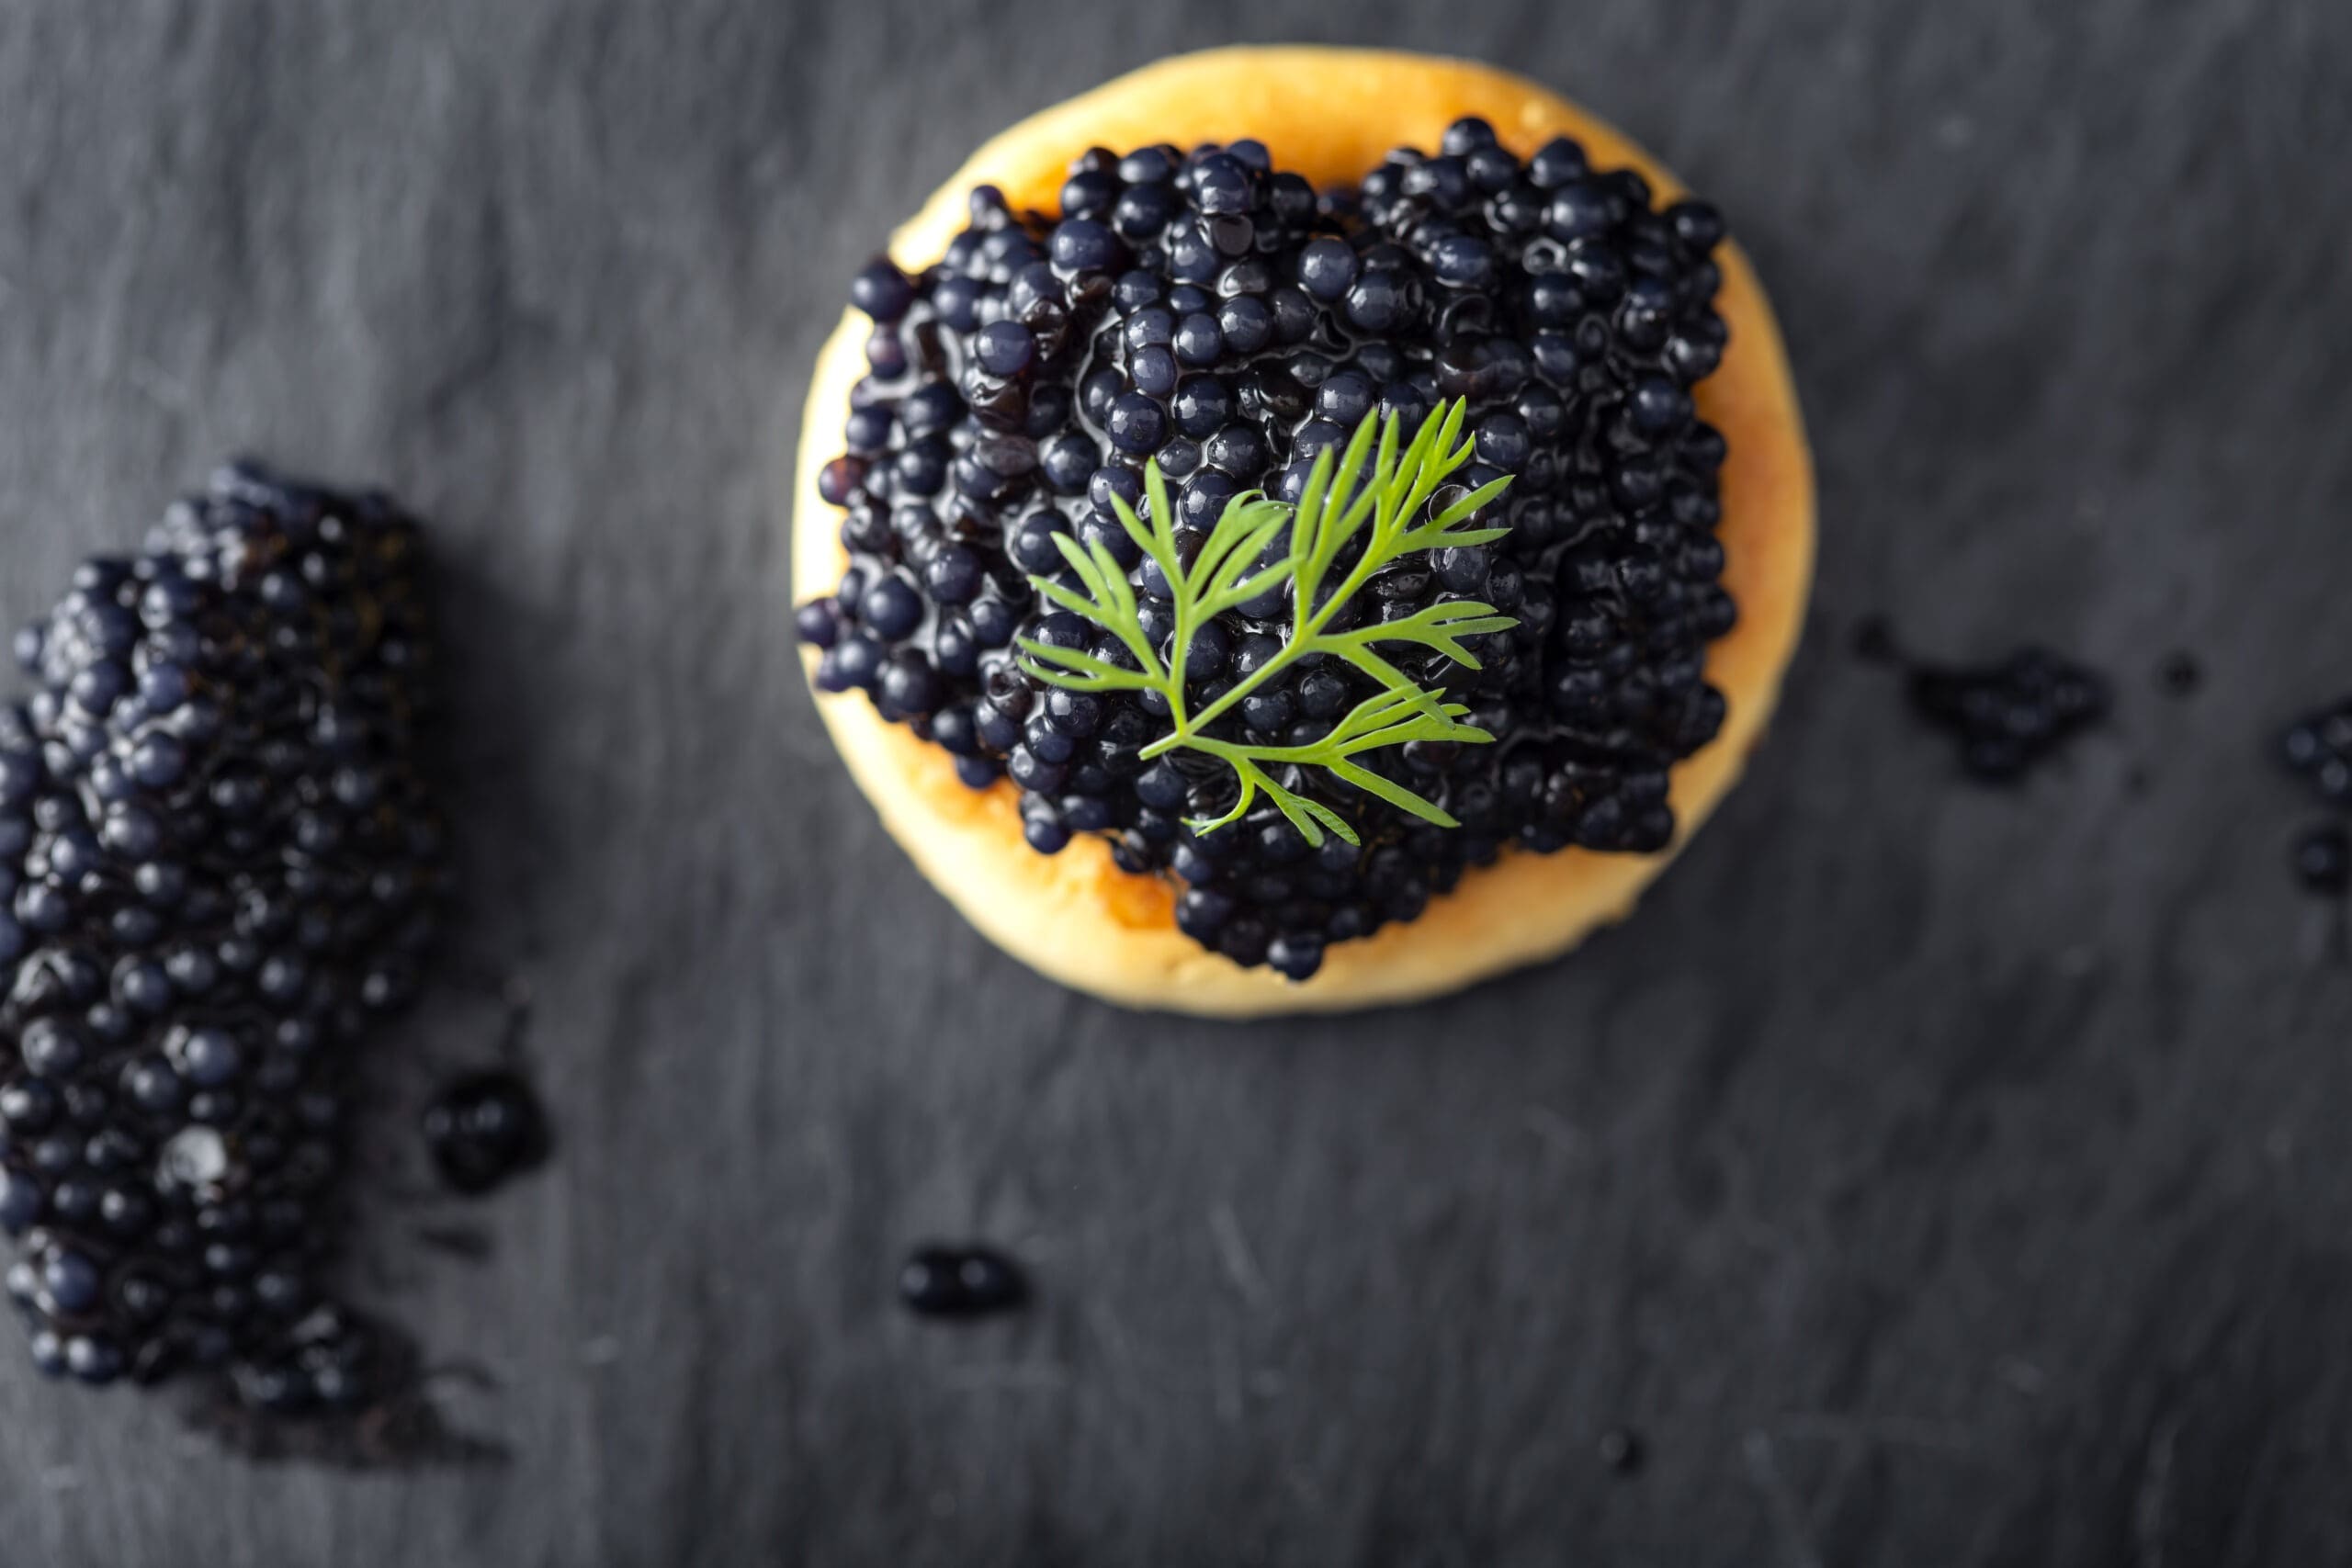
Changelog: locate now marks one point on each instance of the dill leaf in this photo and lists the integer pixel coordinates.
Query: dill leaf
(1360, 511)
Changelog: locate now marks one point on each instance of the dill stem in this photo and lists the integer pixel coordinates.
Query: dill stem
(1307, 630)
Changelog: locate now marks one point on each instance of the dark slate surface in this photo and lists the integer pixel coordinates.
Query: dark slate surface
(1928, 1175)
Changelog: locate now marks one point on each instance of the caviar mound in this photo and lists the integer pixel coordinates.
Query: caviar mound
(484, 1129)
(223, 865)
(1329, 116)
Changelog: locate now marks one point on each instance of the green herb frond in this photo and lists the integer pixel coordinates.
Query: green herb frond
(1371, 497)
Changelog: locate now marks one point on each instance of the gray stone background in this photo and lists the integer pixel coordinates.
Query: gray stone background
(1929, 1176)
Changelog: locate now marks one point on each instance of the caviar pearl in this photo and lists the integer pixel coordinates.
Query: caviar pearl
(1325, 268)
(2323, 859)
(1658, 405)
(484, 1128)
(954, 575)
(1080, 245)
(1199, 339)
(1247, 324)
(157, 760)
(960, 1281)
(1378, 303)
(890, 608)
(1460, 261)
(882, 291)
(1136, 425)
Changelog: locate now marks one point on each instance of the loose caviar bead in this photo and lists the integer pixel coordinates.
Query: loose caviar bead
(960, 1281)
(954, 575)
(840, 480)
(1658, 405)
(1377, 304)
(1113, 481)
(483, 1128)
(957, 300)
(1221, 185)
(1696, 224)
(1577, 211)
(1248, 324)
(2323, 859)
(1088, 193)
(1325, 268)
(1203, 404)
(1199, 339)
(1080, 245)
(1147, 166)
(909, 685)
(891, 608)
(1154, 372)
(1135, 424)
(1135, 290)
(1462, 261)
(1154, 326)
(1005, 348)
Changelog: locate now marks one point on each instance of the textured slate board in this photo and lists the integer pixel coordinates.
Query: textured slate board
(1931, 1176)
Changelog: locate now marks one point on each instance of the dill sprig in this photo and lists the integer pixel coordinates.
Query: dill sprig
(1341, 503)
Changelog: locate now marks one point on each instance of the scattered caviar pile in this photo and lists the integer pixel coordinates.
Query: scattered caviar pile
(1226, 320)
(2010, 715)
(960, 1281)
(220, 866)
(2318, 749)
(2007, 717)
(483, 1129)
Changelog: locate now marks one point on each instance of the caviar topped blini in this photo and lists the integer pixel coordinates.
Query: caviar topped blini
(1287, 512)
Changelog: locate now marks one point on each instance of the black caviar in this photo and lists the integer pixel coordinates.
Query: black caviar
(2318, 747)
(960, 1281)
(2323, 859)
(1621, 1450)
(1874, 641)
(2180, 674)
(1208, 311)
(2010, 716)
(221, 864)
(484, 1128)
